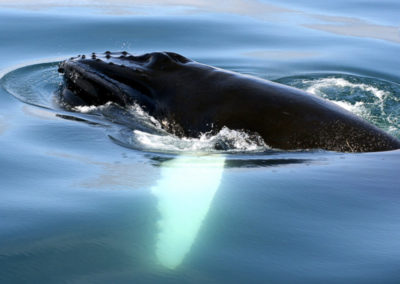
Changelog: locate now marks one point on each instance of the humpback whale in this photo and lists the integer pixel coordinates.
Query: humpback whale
(195, 98)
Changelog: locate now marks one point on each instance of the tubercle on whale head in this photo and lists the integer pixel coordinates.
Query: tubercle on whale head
(149, 61)
(119, 77)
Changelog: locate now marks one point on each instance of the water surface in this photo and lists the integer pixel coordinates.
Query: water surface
(85, 199)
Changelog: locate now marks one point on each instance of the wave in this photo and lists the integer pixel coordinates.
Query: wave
(375, 100)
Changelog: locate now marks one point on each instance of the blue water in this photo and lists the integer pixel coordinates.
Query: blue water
(83, 199)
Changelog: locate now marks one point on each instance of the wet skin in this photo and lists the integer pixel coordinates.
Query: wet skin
(196, 98)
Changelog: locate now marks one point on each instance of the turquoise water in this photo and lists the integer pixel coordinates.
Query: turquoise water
(97, 195)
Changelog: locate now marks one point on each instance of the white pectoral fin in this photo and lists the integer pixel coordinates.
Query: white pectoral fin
(184, 192)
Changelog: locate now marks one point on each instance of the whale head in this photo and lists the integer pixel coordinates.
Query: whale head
(118, 77)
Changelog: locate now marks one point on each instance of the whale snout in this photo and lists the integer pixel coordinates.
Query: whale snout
(119, 77)
(106, 77)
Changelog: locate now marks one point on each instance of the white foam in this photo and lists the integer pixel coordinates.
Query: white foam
(317, 85)
(90, 109)
(361, 108)
(227, 139)
(357, 108)
(392, 129)
(139, 113)
(236, 141)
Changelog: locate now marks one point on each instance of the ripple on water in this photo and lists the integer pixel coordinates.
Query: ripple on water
(34, 84)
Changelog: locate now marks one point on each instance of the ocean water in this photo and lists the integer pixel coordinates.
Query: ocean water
(86, 199)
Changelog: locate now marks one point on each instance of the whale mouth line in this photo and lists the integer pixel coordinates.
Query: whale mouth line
(85, 86)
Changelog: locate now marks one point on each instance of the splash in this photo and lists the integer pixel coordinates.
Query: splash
(226, 140)
(374, 100)
(317, 87)
(91, 109)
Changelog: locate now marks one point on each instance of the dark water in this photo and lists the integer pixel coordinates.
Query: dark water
(85, 200)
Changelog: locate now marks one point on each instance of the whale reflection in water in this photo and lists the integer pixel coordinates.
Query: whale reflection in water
(184, 191)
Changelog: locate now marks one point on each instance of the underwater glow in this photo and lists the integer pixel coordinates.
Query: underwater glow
(185, 191)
